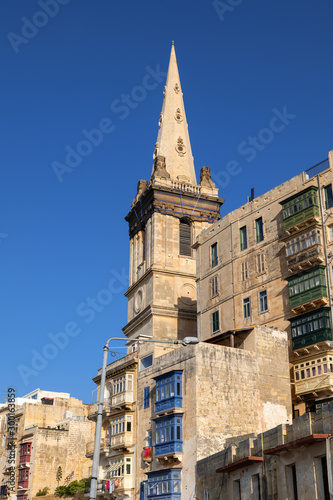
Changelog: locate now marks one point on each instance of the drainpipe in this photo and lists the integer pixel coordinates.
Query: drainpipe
(328, 274)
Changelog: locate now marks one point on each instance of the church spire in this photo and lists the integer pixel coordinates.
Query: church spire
(173, 155)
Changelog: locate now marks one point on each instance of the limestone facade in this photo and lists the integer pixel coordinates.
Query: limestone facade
(288, 461)
(51, 431)
(268, 263)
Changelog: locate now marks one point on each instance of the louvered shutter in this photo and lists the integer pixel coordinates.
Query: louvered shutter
(185, 239)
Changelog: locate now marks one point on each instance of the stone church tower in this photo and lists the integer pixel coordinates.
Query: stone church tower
(166, 216)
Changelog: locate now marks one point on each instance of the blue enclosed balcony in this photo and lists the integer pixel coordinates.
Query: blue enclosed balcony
(169, 391)
(164, 485)
(168, 435)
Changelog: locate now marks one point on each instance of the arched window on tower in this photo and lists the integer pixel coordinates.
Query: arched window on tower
(185, 237)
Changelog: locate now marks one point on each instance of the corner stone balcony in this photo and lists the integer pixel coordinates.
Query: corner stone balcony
(122, 441)
(123, 399)
(104, 446)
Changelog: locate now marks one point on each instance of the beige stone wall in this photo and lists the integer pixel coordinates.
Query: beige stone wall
(66, 448)
(241, 391)
(49, 451)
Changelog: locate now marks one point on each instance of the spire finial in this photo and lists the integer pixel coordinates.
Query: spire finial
(173, 42)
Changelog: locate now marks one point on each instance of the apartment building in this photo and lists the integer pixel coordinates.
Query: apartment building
(269, 263)
(51, 430)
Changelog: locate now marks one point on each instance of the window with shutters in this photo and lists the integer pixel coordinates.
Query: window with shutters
(213, 255)
(214, 286)
(245, 273)
(185, 240)
(243, 238)
(146, 397)
(246, 307)
(260, 263)
(259, 230)
(328, 196)
(215, 321)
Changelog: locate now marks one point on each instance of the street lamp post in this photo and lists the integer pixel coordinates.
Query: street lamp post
(94, 473)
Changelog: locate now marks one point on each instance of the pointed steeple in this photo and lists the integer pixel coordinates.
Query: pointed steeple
(173, 155)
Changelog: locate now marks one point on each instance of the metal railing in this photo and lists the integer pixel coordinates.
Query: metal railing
(317, 169)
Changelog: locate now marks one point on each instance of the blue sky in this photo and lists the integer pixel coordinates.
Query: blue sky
(257, 84)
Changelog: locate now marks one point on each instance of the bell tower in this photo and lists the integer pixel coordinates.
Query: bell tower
(167, 214)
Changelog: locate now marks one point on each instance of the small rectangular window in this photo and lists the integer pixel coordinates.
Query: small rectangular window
(146, 397)
(263, 302)
(243, 238)
(328, 196)
(216, 321)
(214, 286)
(259, 230)
(213, 255)
(146, 362)
(207, 494)
(246, 307)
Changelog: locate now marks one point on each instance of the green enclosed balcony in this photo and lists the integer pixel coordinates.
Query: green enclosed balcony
(300, 208)
(307, 290)
(311, 328)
